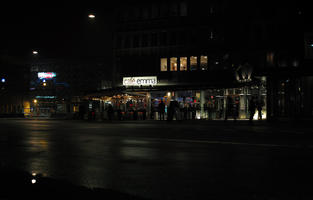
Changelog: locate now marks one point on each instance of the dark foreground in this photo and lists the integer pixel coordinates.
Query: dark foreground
(156, 160)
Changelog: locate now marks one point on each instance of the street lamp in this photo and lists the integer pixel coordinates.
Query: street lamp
(35, 101)
(3, 80)
(35, 52)
(91, 16)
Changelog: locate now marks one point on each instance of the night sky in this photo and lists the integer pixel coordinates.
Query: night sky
(55, 31)
(63, 31)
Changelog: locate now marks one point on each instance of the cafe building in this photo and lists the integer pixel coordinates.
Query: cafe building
(182, 51)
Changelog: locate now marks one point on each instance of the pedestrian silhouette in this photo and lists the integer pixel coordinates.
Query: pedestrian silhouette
(260, 104)
(110, 112)
(252, 107)
(229, 107)
(161, 110)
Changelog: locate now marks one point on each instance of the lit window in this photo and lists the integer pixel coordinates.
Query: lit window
(173, 64)
(270, 58)
(163, 64)
(183, 63)
(204, 62)
(193, 63)
(211, 35)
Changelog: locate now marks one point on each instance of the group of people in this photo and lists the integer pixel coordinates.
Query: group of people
(172, 110)
(132, 113)
(232, 108)
(176, 111)
(255, 104)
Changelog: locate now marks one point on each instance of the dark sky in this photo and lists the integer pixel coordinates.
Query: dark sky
(55, 31)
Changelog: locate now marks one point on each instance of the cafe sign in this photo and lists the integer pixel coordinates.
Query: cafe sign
(140, 81)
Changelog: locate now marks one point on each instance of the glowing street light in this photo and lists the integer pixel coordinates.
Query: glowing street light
(3, 80)
(35, 52)
(35, 100)
(91, 16)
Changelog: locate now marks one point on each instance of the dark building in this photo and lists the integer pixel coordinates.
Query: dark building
(64, 54)
(200, 53)
(14, 80)
(58, 86)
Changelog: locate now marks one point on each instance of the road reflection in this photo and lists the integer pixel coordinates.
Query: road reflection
(150, 165)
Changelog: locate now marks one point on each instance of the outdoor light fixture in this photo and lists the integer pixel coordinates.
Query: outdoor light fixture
(91, 16)
(35, 100)
(35, 52)
(3, 80)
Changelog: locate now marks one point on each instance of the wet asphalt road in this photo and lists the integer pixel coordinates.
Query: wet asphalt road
(160, 160)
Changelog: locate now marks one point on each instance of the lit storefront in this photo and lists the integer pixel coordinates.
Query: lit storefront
(141, 95)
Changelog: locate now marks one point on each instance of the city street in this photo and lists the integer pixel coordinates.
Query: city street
(161, 160)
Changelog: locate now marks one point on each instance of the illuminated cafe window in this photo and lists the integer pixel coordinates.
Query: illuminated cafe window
(204, 63)
(193, 63)
(183, 63)
(173, 64)
(163, 64)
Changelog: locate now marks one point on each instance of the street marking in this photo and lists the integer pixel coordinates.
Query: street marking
(227, 143)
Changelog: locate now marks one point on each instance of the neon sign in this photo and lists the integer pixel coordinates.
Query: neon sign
(45, 97)
(46, 75)
(137, 81)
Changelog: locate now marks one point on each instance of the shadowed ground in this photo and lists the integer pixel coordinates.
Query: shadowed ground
(160, 160)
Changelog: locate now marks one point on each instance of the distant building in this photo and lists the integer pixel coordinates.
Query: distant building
(58, 86)
(14, 79)
(200, 53)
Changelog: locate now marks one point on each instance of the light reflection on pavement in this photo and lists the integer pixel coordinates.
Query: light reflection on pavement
(171, 161)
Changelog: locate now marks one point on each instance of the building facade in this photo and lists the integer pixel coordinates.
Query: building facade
(202, 53)
(58, 87)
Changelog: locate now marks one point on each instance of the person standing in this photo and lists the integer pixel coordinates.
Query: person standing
(161, 110)
(260, 105)
(110, 112)
(252, 107)
(229, 107)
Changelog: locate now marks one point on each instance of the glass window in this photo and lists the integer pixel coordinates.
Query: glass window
(164, 9)
(183, 9)
(173, 38)
(163, 64)
(173, 9)
(193, 63)
(127, 41)
(183, 63)
(155, 11)
(136, 41)
(154, 39)
(146, 13)
(173, 64)
(163, 38)
(144, 40)
(204, 62)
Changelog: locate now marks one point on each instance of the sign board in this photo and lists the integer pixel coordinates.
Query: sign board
(46, 75)
(138, 81)
(45, 97)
